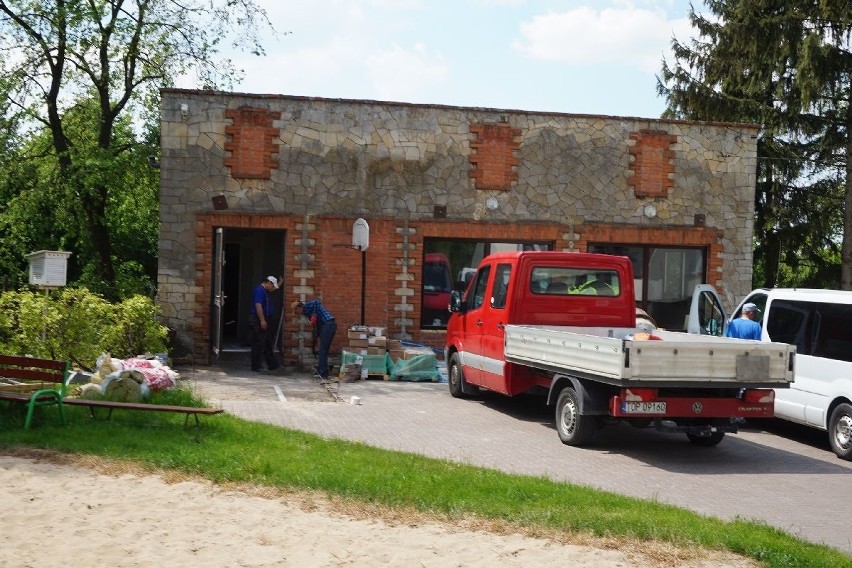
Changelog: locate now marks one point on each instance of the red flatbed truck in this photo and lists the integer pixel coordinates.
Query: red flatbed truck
(564, 325)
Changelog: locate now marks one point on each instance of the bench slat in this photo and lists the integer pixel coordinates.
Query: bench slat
(142, 406)
(18, 361)
(43, 375)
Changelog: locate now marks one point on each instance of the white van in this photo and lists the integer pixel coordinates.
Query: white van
(819, 324)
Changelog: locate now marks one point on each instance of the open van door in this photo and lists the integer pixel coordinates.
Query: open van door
(706, 314)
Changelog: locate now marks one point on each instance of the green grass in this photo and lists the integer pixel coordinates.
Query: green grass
(229, 449)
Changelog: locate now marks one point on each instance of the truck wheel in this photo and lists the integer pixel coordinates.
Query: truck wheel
(458, 387)
(840, 431)
(706, 441)
(574, 429)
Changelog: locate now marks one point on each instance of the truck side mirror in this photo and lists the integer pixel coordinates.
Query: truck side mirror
(456, 304)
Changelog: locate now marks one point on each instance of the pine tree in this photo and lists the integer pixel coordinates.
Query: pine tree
(785, 65)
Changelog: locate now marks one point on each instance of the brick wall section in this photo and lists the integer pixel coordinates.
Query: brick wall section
(653, 163)
(494, 157)
(392, 292)
(251, 142)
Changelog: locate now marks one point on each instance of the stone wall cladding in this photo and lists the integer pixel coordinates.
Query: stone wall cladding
(393, 163)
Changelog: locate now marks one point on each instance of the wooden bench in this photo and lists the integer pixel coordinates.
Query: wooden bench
(34, 382)
(112, 405)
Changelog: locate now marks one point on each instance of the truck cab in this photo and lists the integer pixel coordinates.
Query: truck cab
(535, 288)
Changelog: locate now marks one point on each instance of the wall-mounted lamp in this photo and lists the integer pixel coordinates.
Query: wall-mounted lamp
(650, 211)
(219, 202)
(492, 204)
(184, 110)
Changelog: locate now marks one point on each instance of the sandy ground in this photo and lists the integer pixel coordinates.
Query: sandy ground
(63, 511)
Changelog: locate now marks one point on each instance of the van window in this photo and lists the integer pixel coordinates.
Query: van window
(831, 335)
(820, 329)
(501, 286)
(479, 288)
(789, 321)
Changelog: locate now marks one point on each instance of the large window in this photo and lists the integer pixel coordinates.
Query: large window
(449, 265)
(664, 279)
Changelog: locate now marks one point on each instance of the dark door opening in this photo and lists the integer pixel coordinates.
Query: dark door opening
(248, 256)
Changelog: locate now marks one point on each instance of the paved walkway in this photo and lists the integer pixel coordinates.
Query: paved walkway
(793, 482)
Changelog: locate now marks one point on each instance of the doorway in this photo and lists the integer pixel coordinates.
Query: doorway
(242, 259)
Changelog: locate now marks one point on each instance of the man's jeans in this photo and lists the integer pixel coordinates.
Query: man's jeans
(326, 335)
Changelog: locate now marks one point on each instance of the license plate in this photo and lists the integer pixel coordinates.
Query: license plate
(643, 407)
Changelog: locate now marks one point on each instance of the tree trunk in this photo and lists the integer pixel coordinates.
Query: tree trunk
(846, 267)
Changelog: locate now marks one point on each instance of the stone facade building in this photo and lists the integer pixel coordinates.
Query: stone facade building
(252, 185)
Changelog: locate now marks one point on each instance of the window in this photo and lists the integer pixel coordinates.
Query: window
(478, 297)
(815, 328)
(450, 265)
(574, 281)
(501, 286)
(664, 279)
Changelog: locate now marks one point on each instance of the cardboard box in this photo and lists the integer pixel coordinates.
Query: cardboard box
(355, 334)
(375, 350)
(395, 354)
(412, 352)
(395, 344)
(356, 344)
(377, 341)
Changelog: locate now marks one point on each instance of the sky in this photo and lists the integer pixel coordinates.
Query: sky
(572, 56)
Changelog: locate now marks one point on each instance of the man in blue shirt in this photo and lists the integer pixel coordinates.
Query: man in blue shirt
(745, 327)
(326, 328)
(262, 323)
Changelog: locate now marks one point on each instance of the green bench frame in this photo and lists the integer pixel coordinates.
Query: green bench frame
(34, 382)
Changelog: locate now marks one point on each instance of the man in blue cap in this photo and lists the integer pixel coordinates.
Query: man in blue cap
(745, 327)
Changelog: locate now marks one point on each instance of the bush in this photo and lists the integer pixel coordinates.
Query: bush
(78, 325)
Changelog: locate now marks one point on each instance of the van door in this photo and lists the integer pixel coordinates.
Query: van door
(474, 325)
(706, 314)
(493, 362)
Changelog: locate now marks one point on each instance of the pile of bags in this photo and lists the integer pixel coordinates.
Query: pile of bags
(127, 380)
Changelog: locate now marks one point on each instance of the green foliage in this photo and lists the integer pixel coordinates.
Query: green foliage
(135, 328)
(785, 65)
(77, 176)
(77, 325)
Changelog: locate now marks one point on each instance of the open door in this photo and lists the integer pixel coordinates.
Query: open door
(218, 293)
(706, 314)
(241, 258)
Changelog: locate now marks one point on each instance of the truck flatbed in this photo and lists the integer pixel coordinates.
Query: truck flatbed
(612, 356)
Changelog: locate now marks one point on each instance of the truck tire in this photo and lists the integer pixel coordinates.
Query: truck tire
(706, 441)
(840, 431)
(458, 387)
(574, 429)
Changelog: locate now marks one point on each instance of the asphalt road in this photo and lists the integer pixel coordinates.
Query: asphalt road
(774, 472)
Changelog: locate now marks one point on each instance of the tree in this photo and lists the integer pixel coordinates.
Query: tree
(786, 65)
(117, 53)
